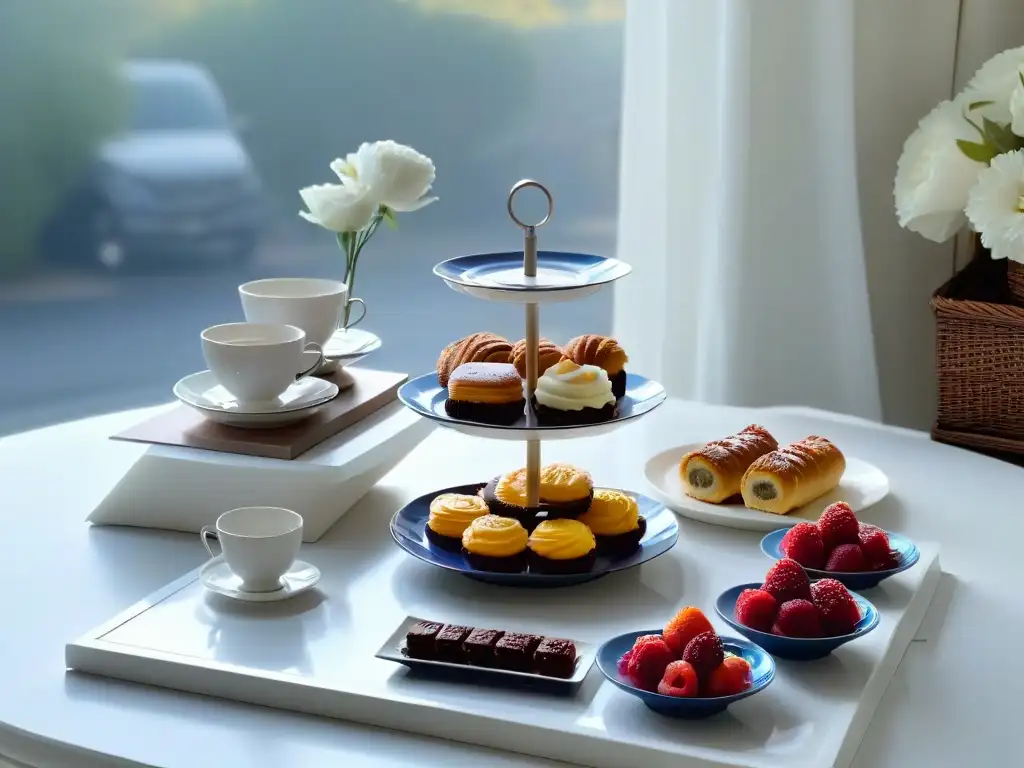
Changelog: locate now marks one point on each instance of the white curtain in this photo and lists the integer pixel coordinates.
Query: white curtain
(738, 205)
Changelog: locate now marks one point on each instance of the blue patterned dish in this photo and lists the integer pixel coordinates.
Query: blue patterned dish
(906, 552)
(795, 648)
(762, 668)
(560, 276)
(407, 529)
(426, 397)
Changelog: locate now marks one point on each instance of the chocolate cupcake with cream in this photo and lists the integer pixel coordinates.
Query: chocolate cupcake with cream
(496, 544)
(561, 546)
(615, 521)
(450, 515)
(569, 394)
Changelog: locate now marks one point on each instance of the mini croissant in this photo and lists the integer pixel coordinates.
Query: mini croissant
(602, 351)
(548, 354)
(475, 348)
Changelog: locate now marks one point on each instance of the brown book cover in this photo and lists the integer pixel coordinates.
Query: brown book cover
(187, 427)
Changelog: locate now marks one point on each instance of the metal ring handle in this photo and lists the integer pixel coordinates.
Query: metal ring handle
(522, 185)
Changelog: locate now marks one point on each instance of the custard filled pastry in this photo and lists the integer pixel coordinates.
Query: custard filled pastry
(475, 348)
(548, 354)
(591, 349)
(793, 475)
(714, 473)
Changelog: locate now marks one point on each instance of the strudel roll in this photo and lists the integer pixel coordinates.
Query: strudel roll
(714, 472)
(793, 475)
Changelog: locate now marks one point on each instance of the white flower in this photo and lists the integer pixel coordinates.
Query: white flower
(1017, 110)
(996, 206)
(996, 81)
(394, 175)
(338, 207)
(933, 176)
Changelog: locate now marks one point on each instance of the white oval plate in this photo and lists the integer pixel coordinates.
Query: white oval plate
(862, 485)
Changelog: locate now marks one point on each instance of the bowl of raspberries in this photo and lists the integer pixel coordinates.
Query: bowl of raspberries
(794, 618)
(687, 669)
(840, 547)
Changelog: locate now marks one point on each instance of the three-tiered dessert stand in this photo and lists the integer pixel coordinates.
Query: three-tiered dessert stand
(530, 279)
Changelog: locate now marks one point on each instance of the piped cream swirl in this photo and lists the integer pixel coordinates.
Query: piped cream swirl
(571, 387)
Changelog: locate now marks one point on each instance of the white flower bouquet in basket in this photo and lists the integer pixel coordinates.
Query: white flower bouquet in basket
(377, 181)
(965, 164)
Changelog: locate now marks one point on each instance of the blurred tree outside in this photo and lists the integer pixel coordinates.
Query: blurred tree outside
(60, 96)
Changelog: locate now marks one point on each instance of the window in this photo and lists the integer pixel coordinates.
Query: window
(155, 156)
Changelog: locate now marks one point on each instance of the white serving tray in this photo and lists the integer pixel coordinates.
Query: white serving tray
(315, 654)
(394, 650)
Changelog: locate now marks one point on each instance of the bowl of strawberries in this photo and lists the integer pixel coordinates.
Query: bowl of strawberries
(841, 547)
(686, 669)
(794, 618)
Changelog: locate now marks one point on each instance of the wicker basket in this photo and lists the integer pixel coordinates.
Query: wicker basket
(980, 359)
(1015, 279)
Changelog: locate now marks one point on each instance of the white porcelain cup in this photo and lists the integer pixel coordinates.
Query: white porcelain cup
(256, 362)
(313, 304)
(259, 544)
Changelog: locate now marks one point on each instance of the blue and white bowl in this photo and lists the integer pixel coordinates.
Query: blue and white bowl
(762, 668)
(906, 551)
(794, 648)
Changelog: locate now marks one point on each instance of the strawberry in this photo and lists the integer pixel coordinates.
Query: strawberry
(874, 543)
(847, 558)
(680, 680)
(730, 677)
(704, 652)
(685, 626)
(797, 618)
(647, 661)
(786, 580)
(623, 665)
(838, 525)
(891, 560)
(803, 543)
(838, 610)
(756, 609)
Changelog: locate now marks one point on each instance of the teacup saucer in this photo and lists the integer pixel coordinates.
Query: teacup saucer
(217, 577)
(202, 392)
(350, 344)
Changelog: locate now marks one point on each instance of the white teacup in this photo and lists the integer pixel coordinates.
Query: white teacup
(259, 544)
(256, 362)
(313, 304)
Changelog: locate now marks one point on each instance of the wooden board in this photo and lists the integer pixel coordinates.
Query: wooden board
(187, 427)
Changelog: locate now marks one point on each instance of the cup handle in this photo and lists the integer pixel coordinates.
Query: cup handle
(206, 532)
(311, 347)
(354, 323)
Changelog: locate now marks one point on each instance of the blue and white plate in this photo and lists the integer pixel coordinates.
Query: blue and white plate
(907, 555)
(762, 670)
(560, 276)
(426, 397)
(795, 648)
(408, 524)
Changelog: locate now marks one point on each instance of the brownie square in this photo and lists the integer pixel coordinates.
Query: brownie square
(419, 640)
(555, 657)
(514, 651)
(448, 644)
(479, 646)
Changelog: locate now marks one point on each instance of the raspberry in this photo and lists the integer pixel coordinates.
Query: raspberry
(756, 609)
(704, 652)
(680, 680)
(797, 618)
(874, 543)
(803, 543)
(730, 677)
(847, 558)
(685, 626)
(623, 665)
(648, 660)
(786, 580)
(838, 525)
(838, 610)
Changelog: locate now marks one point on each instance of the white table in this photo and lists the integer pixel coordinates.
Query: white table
(951, 702)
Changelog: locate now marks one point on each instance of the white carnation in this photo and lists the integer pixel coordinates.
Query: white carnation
(995, 206)
(996, 81)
